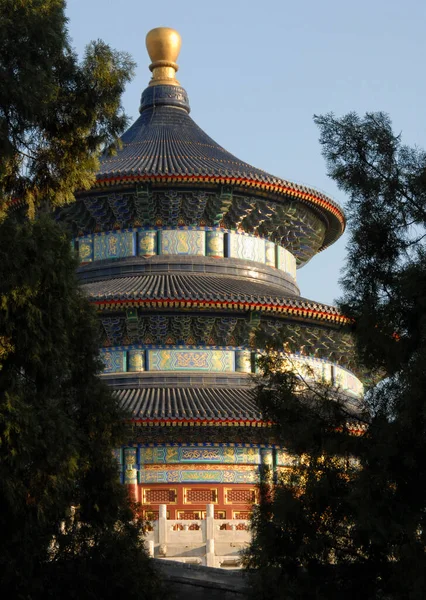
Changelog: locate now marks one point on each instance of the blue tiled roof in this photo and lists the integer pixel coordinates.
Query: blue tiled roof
(217, 404)
(206, 288)
(204, 404)
(188, 287)
(165, 141)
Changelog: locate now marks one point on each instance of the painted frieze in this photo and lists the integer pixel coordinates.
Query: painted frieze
(197, 454)
(85, 248)
(246, 247)
(286, 261)
(147, 243)
(184, 242)
(215, 243)
(130, 465)
(136, 361)
(270, 258)
(210, 242)
(115, 361)
(243, 361)
(199, 476)
(208, 360)
(212, 361)
(114, 245)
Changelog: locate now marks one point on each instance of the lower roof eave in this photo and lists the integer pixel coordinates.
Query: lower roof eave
(354, 428)
(301, 313)
(275, 189)
(200, 422)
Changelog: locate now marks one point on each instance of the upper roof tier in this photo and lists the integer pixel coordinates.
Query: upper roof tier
(165, 145)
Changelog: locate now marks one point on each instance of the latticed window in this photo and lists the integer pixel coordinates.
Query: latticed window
(218, 514)
(159, 496)
(238, 496)
(190, 515)
(153, 515)
(242, 515)
(200, 495)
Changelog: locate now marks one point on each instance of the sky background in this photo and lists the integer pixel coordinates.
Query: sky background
(257, 71)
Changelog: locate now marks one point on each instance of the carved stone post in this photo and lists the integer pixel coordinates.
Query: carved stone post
(162, 530)
(150, 548)
(210, 554)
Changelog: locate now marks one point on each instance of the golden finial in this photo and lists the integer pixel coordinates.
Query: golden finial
(163, 45)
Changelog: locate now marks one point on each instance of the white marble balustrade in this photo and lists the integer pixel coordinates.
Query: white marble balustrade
(210, 542)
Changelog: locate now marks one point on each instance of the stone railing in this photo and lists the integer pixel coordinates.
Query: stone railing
(210, 542)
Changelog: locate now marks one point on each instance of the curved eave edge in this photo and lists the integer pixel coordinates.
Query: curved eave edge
(355, 429)
(158, 422)
(301, 312)
(307, 195)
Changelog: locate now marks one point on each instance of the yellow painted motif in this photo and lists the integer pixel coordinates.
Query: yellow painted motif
(200, 454)
(228, 454)
(112, 244)
(85, 252)
(171, 455)
(147, 243)
(135, 360)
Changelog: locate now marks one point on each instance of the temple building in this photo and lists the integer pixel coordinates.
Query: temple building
(185, 251)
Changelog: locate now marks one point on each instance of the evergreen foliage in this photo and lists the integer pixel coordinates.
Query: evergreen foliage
(56, 114)
(349, 520)
(64, 516)
(67, 526)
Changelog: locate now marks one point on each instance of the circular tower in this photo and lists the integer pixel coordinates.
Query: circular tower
(185, 250)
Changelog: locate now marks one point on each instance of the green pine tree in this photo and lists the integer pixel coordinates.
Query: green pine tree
(56, 113)
(349, 521)
(67, 527)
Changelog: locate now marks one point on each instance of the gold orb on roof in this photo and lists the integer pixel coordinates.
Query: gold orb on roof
(163, 45)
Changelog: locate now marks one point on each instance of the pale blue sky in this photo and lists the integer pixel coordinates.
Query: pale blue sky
(256, 72)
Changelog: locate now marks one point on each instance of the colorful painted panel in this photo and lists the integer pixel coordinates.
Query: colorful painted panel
(211, 361)
(249, 456)
(243, 361)
(136, 361)
(199, 454)
(281, 259)
(114, 245)
(147, 243)
(191, 455)
(198, 476)
(214, 243)
(347, 382)
(130, 465)
(270, 253)
(186, 242)
(152, 455)
(246, 246)
(85, 248)
(114, 361)
(286, 261)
